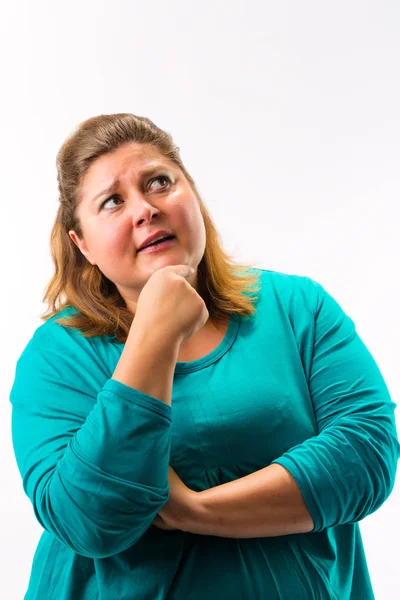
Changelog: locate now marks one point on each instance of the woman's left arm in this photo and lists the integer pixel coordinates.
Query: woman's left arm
(347, 470)
(265, 503)
(339, 476)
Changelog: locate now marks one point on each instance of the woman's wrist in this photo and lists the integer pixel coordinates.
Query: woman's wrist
(194, 517)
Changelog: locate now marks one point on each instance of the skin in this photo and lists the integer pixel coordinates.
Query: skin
(143, 205)
(112, 234)
(265, 503)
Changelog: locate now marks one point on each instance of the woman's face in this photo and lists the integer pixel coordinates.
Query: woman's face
(116, 220)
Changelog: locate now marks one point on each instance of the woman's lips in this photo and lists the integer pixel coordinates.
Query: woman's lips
(157, 247)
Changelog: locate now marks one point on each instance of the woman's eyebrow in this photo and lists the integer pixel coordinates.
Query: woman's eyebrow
(145, 172)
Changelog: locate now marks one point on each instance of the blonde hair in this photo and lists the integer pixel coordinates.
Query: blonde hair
(225, 287)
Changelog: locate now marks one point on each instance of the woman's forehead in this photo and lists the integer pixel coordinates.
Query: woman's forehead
(130, 160)
(128, 156)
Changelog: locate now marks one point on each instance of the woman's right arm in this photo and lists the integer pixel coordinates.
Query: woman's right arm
(153, 363)
(95, 469)
(95, 463)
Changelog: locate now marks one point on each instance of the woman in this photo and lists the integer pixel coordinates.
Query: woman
(187, 427)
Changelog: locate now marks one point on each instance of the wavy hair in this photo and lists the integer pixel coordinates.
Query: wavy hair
(99, 309)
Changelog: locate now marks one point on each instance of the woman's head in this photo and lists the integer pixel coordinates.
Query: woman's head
(99, 228)
(120, 203)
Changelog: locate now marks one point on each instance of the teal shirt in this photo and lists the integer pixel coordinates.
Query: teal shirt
(292, 384)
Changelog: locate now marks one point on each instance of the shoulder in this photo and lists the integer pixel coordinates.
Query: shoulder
(56, 357)
(291, 290)
(57, 348)
(53, 336)
(304, 300)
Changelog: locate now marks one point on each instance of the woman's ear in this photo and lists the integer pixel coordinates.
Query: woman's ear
(81, 245)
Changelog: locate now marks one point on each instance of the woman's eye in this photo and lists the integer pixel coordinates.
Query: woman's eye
(108, 200)
(160, 177)
(115, 196)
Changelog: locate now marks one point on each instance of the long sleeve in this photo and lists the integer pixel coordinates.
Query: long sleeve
(348, 469)
(94, 465)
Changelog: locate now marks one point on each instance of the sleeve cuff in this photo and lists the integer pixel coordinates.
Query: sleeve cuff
(133, 395)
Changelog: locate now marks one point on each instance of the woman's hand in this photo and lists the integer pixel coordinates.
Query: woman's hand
(178, 511)
(161, 524)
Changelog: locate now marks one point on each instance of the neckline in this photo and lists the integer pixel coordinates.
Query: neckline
(220, 350)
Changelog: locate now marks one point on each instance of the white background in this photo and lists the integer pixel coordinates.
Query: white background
(287, 116)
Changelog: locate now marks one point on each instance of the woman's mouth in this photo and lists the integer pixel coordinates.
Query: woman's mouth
(157, 246)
